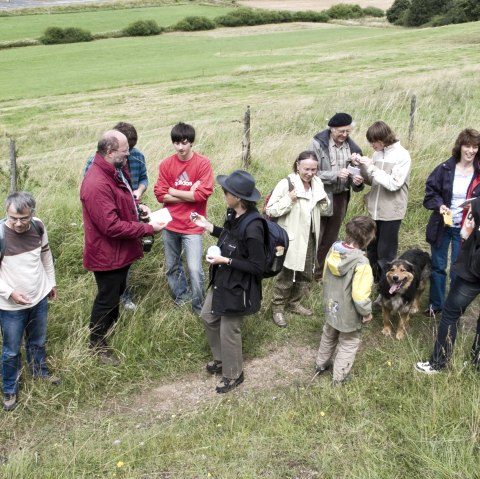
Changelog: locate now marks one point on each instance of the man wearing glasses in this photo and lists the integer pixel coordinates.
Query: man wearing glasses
(27, 280)
(112, 235)
(334, 149)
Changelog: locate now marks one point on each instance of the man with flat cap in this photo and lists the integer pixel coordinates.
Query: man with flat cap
(334, 149)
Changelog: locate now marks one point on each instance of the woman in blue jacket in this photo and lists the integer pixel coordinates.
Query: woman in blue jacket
(445, 191)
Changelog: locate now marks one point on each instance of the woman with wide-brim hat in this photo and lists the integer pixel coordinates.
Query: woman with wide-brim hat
(235, 276)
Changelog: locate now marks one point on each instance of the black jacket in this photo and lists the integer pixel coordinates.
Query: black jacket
(237, 288)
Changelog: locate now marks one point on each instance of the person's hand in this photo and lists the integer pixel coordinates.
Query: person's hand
(354, 157)
(343, 173)
(144, 208)
(217, 259)
(444, 210)
(137, 194)
(201, 221)
(157, 226)
(20, 298)
(53, 294)
(293, 195)
(195, 185)
(365, 160)
(357, 180)
(367, 318)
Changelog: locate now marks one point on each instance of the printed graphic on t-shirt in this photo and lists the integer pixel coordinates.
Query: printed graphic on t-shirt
(183, 180)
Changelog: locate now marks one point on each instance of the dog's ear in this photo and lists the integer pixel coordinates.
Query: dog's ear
(408, 266)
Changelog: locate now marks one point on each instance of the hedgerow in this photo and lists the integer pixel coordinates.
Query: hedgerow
(56, 35)
(194, 24)
(143, 28)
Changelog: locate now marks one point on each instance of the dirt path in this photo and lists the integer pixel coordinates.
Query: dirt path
(285, 366)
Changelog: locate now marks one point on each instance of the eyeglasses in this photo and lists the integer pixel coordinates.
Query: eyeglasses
(343, 132)
(23, 219)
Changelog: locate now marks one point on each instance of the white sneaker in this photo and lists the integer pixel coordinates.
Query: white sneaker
(129, 304)
(426, 368)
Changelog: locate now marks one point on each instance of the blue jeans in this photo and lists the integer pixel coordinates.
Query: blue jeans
(438, 277)
(461, 294)
(192, 245)
(31, 322)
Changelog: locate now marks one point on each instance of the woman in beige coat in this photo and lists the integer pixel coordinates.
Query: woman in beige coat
(297, 201)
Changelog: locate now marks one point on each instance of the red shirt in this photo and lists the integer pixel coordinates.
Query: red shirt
(181, 175)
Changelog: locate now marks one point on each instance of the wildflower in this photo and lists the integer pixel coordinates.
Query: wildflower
(322, 413)
(120, 464)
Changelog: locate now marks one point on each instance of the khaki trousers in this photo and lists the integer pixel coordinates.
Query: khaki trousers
(225, 339)
(346, 344)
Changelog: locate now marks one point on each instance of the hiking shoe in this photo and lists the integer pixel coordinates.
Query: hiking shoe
(321, 369)
(9, 402)
(227, 384)
(426, 368)
(279, 320)
(54, 380)
(108, 358)
(431, 312)
(214, 367)
(129, 304)
(301, 310)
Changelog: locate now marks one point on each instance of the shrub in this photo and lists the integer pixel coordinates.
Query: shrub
(55, 35)
(373, 12)
(194, 24)
(397, 11)
(344, 11)
(422, 11)
(309, 16)
(241, 17)
(142, 28)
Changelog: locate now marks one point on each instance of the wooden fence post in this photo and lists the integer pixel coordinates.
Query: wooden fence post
(246, 140)
(413, 109)
(13, 167)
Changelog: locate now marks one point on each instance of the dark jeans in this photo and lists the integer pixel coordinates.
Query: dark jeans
(384, 247)
(461, 294)
(105, 311)
(329, 228)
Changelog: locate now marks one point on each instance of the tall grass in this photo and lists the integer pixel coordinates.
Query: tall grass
(387, 422)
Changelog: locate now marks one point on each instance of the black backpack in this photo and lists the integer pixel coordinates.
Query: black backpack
(36, 226)
(276, 243)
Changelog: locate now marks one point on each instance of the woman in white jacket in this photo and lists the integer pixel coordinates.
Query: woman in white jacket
(297, 201)
(388, 173)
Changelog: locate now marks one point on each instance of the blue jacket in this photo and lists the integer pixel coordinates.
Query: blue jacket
(438, 192)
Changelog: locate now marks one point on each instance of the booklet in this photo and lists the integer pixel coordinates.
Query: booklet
(161, 216)
(466, 203)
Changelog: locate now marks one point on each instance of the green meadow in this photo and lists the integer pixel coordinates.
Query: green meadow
(32, 26)
(156, 415)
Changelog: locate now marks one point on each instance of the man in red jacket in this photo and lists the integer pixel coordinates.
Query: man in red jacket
(112, 234)
(185, 182)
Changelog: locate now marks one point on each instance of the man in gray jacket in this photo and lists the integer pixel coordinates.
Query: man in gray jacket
(334, 149)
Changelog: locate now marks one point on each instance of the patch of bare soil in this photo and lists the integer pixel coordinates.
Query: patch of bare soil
(285, 366)
(315, 5)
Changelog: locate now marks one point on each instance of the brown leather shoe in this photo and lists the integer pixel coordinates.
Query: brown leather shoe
(279, 320)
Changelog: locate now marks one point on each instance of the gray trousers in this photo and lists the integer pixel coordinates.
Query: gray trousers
(346, 344)
(225, 339)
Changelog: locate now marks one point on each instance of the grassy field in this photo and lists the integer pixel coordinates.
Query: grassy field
(96, 21)
(105, 422)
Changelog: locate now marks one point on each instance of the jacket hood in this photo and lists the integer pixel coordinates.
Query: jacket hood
(341, 259)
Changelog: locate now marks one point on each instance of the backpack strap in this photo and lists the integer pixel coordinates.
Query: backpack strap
(37, 226)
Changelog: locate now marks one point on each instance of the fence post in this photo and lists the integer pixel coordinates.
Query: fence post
(13, 167)
(246, 140)
(413, 109)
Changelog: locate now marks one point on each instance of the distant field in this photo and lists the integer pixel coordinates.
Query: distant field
(33, 26)
(315, 5)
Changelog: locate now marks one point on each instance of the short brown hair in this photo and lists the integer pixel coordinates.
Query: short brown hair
(360, 230)
(469, 136)
(380, 131)
(129, 131)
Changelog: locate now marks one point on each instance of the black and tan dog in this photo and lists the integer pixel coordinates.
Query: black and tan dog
(401, 287)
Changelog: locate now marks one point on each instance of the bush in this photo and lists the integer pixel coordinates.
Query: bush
(142, 28)
(242, 17)
(422, 11)
(309, 16)
(55, 35)
(344, 11)
(194, 24)
(397, 11)
(373, 12)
